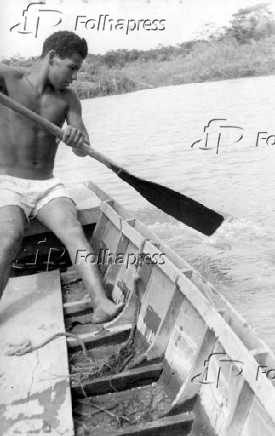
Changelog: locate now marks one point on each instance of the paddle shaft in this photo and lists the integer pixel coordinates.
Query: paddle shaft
(54, 130)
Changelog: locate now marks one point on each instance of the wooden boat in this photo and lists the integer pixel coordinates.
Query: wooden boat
(195, 365)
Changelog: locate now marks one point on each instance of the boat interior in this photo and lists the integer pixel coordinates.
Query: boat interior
(179, 359)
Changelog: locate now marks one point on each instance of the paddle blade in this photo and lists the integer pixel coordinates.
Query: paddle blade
(179, 206)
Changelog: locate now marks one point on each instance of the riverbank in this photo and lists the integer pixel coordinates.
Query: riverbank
(123, 71)
(204, 61)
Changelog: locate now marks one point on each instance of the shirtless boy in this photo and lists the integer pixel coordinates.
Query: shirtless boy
(27, 185)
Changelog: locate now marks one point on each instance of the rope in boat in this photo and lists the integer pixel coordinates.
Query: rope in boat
(25, 345)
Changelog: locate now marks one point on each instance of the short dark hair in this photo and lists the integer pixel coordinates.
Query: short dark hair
(65, 44)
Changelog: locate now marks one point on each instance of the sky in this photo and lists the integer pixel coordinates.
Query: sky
(25, 24)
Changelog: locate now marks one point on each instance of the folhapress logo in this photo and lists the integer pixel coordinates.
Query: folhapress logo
(34, 16)
(217, 133)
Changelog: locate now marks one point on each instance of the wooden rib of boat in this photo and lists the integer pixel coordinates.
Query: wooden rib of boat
(198, 368)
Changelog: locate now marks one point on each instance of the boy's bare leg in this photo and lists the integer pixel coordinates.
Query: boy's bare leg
(60, 216)
(12, 223)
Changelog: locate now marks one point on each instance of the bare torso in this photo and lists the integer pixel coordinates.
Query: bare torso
(26, 151)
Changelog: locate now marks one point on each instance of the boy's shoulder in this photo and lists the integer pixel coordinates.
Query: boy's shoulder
(71, 97)
(9, 75)
(11, 71)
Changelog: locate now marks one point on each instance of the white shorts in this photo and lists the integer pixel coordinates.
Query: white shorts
(30, 195)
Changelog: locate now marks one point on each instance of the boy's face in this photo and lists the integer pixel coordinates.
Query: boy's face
(63, 71)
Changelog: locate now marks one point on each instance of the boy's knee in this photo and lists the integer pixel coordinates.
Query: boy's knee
(11, 238)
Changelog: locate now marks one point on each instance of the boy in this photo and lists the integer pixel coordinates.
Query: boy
(27, 185)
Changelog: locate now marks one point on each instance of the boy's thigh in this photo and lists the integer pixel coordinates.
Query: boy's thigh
(58, 213)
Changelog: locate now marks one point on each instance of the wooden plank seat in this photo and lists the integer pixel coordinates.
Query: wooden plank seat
(35, 392)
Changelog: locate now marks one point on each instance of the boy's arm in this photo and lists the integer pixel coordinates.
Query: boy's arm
(75, 133)
(7, 76)
(5, 70)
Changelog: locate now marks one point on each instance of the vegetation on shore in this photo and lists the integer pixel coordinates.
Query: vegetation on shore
(246, 48)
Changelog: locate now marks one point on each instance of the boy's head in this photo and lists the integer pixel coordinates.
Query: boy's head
(64, 53)
(65, 44)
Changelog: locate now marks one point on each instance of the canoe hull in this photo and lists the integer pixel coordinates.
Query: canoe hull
(212, 362)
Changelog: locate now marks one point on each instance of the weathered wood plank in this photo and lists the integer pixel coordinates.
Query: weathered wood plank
(221, 387)
(119, 382)
(109, 243)
(110, 213)
(113, 269)
(121, 224)
(232, 345)
(124, 286)
(94, 189)
(189, 388)
(155, 240)
(239, 415)
(111, 335)
(124, 213)
(75, 307)
(162, 261)
(188, 347)
(159, 344)
(168, 426)
(129, 231)
(34, 388)
(257, 423)
(145, 272)
(98, 233)
(111, 239)
(158, 307)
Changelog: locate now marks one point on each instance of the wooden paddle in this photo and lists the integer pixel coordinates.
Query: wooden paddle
(178, 205)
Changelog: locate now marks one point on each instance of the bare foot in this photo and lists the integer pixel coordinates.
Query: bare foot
(106, 311)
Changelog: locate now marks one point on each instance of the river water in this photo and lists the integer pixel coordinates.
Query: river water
(150, 133)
